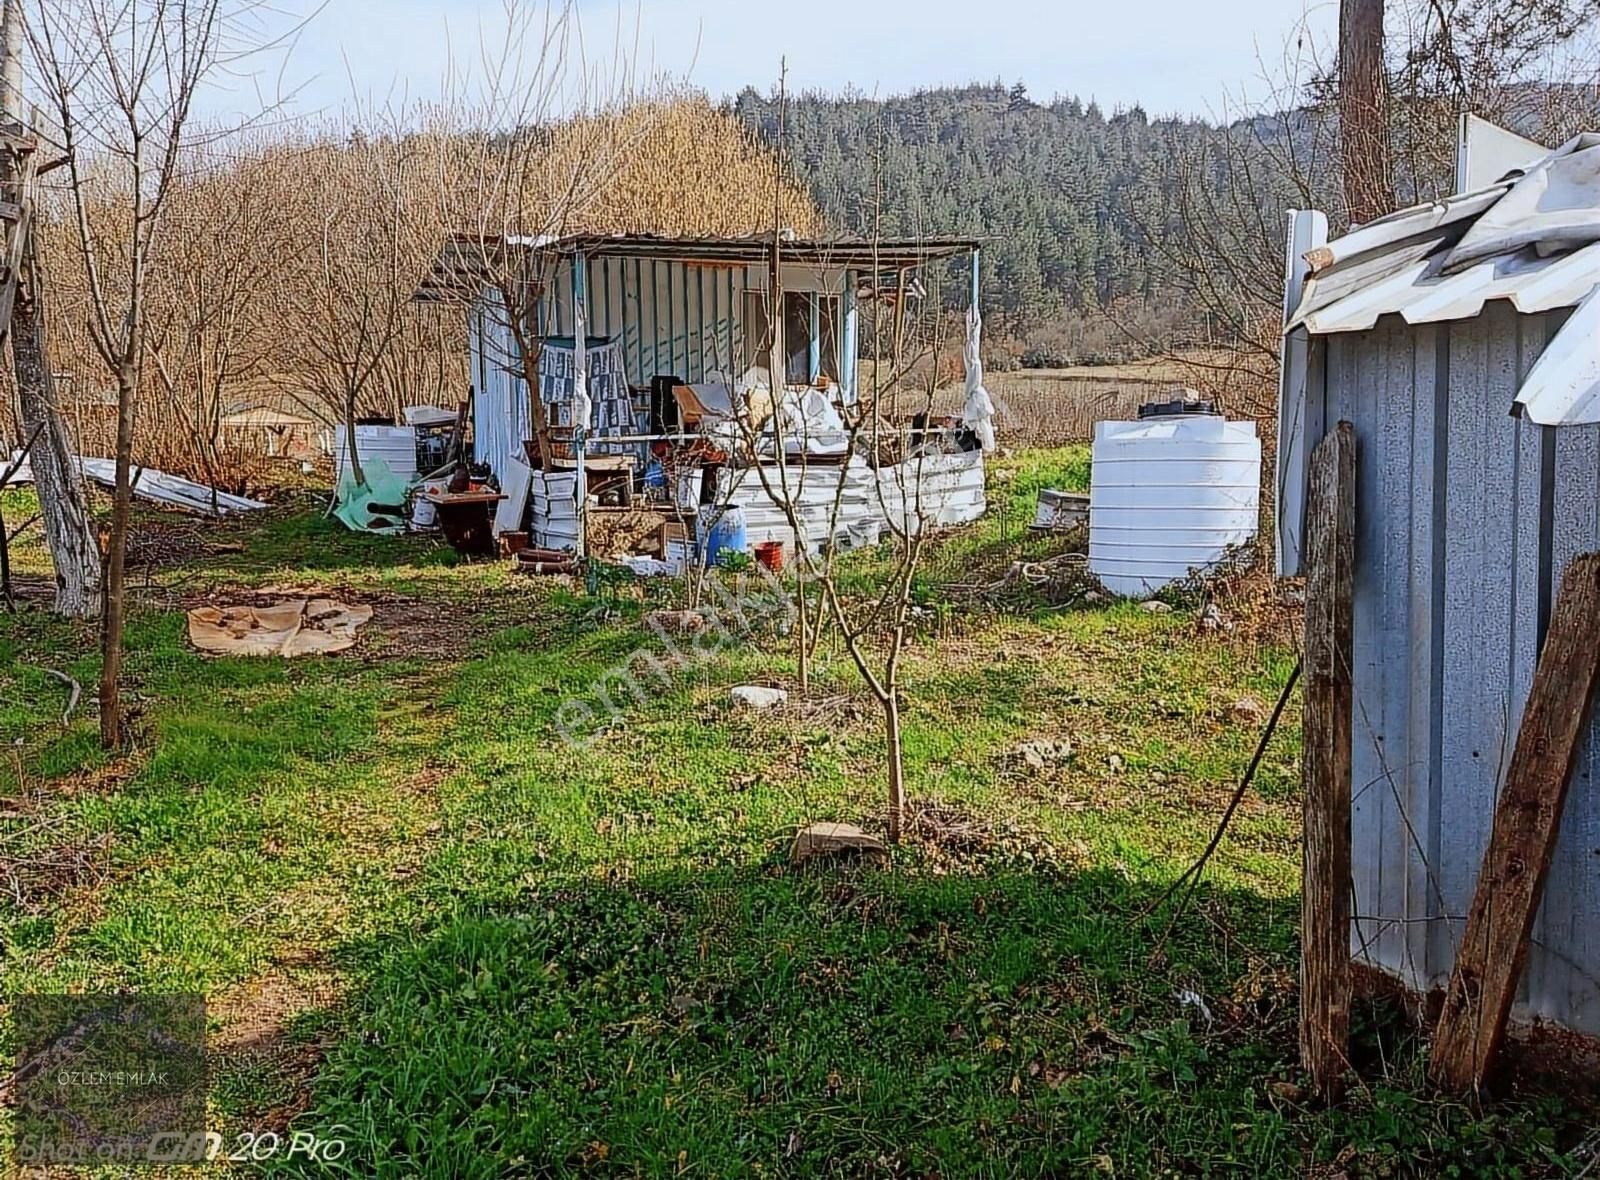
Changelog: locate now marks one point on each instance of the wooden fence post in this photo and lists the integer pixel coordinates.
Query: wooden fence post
(1527, 821)
(1328, 726)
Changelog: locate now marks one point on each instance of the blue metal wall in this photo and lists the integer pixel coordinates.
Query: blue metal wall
(1466, 519)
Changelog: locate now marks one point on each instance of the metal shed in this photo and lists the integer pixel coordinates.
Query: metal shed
(684, 306)
(1447, 335)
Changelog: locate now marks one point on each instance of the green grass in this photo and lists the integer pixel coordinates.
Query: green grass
(421, 917)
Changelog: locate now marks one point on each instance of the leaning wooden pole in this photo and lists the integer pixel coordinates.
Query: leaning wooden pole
(1527, 822)
(1328, 717)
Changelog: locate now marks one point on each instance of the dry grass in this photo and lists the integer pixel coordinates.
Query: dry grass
(1039, 408)
(683, 169)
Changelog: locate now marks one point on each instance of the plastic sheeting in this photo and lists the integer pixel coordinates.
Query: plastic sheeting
(354, 502)
(977, 413)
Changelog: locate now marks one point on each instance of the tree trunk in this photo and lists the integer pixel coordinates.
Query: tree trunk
(532, 359)
(1363, 111)
(56, 478)
(116, 552)
(897, 778)
(351, 458)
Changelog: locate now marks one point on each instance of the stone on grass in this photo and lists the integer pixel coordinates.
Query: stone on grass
(677, 622)
(1156, 607)
(830, 840)
(758, 696)
(1247, 711)
(1040, 754)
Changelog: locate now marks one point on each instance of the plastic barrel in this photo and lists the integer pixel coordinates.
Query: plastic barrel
(721, 531)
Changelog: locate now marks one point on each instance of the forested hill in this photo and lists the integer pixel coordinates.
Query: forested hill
(1065, 190)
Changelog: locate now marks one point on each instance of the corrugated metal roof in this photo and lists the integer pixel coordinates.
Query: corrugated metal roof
(1533, 240)
(459, 271)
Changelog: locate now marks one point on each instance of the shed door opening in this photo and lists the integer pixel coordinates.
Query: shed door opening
(810, 335)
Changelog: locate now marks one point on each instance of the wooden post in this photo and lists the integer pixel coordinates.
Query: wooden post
(1527, 821)
(1325, 885)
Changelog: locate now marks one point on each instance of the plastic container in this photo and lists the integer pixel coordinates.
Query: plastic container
(721, 531)
(678, 554)
(1170, 495)
(424, 512)
(395, 445)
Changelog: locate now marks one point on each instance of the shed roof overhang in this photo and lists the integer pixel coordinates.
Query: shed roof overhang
(1532, 239)
(461, 267)
(850, 253)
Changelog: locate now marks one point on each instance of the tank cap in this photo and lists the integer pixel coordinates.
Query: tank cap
(1177, 407)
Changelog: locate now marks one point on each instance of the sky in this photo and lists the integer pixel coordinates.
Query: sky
(1169, 56)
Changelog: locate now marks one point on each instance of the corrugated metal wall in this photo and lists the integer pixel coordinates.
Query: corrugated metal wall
(501, 414)
(672, 317)
(680, 318)
(932, 490)
(1466, 519)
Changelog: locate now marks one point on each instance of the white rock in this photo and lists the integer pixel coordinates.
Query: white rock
(1156, 607)
(1039, 754)
(758, 696)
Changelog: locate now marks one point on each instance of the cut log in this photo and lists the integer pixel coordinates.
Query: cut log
(1328, 725)
(1527, 822)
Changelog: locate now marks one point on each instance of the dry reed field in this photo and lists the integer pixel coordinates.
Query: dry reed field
(1042, 408)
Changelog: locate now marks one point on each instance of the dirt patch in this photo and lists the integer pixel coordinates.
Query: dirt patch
(256, 1036)
(405, 628)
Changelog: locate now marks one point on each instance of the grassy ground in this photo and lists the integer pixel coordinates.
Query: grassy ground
(429, 926)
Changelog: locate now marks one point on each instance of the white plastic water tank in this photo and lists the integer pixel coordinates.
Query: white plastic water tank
(1169, 494)
(395, 445)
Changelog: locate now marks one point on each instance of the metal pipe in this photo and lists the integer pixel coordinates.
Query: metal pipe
(580, 431)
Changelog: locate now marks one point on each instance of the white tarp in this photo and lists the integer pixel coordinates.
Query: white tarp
(811, 424)
(978, 410)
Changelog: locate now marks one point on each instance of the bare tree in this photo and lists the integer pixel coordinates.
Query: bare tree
(121, 77)
(375, 225)
(508, 184)
(73, 551)
(231, 228)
